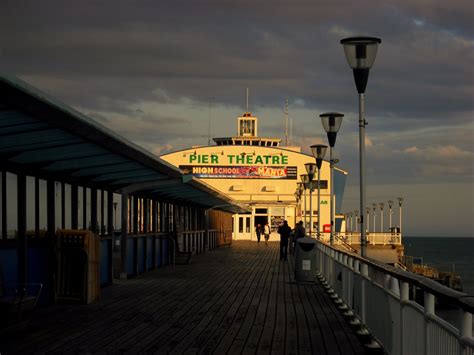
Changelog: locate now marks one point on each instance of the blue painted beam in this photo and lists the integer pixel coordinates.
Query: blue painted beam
(53, 143)
(34, 137)
(126, 174)
(81, 163)
(27, 127)
(52, 154)
(108, 169)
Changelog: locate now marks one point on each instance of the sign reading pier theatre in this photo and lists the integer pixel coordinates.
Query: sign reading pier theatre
(232, 166)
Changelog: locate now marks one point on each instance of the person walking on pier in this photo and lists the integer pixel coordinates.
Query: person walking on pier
(284, 230)
(258, 231)
(266, 232)
(298, 232)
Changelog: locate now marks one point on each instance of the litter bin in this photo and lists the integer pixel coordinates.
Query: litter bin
(305, 259)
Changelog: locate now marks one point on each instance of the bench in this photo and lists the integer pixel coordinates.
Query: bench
(17, 300)
(180, 257)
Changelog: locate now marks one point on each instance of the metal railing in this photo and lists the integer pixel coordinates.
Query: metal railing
(379, 295)
(353, 238)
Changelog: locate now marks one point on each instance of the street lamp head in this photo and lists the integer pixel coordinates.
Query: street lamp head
(331, 122)
(360, 54)
(390, 203)
(305, 180)
(374, 205)
(360, 51)
(400, 201)
(319, 151)
(382, 205)
(311, 170)
(300, 188)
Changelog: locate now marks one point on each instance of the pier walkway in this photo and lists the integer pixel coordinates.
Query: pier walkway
(236, 299)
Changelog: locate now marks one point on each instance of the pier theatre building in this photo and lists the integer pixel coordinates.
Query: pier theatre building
(263, 175)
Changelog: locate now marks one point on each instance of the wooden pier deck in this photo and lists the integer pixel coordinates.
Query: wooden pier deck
(237, 299)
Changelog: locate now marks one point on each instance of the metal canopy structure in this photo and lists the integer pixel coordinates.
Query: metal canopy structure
(42, 137)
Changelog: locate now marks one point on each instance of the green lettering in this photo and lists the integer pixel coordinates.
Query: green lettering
(258, 160)
(249, 159)
(275, 160)
(267, 158)
(192, 158)
(231, 157)
(239, 159)
(284, 159)
(214, 159)
(205, 159)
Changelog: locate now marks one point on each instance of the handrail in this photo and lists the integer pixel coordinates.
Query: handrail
(460, 299)
(157, 234)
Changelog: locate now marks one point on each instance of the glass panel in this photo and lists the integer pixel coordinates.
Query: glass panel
(80, 203)
(247, 225)
(30, 204)
(12, 206)
(241, 224)
(67, 209)
(42, 205)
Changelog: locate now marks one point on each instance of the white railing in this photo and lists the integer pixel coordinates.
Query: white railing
(379, 296)
(353, 238)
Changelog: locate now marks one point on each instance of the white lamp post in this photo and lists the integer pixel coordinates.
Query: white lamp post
(304, 185)
(311, 170)
(356, 214)
(381, 216)
(319, 151)
(390, 204)
(367, 211)
(374, 206)
(360, 54)
(400, 201)
(331, 122)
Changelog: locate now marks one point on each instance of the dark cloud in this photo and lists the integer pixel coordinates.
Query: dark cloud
(147, 68)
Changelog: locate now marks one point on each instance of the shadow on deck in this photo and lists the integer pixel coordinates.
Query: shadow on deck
(237, 299)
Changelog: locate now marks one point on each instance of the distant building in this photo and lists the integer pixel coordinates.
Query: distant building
(259, 173)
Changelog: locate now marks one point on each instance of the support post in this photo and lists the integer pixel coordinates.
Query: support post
(4, 205)
(362, 123)
(74, 206)
(123, 237)
(37, 208)
(94, 226)
(22, 243)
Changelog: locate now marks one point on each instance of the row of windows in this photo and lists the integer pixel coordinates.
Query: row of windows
(260, 143)
(164, 212)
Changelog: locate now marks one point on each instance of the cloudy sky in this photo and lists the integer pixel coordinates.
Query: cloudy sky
(146, 69)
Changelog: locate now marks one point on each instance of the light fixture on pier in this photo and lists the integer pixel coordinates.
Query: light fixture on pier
(360, 54)
(400, 201)
(356, 215)
(374, 206)
(319, 151)
(311, 170)
(390, 204)
(367, 212)
(304, 184)
(382, 205)
(331, 122)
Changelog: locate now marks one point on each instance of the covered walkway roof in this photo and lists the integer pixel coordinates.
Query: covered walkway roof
(43, 137)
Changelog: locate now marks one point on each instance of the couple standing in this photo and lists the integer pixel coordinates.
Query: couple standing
(265, 230)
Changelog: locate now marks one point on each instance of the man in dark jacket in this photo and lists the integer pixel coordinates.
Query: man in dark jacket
(299, 232)
(284, 230)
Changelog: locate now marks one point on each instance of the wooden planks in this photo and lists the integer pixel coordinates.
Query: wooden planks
(237, 299)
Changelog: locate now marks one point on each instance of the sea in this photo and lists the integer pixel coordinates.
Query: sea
(446, 254)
